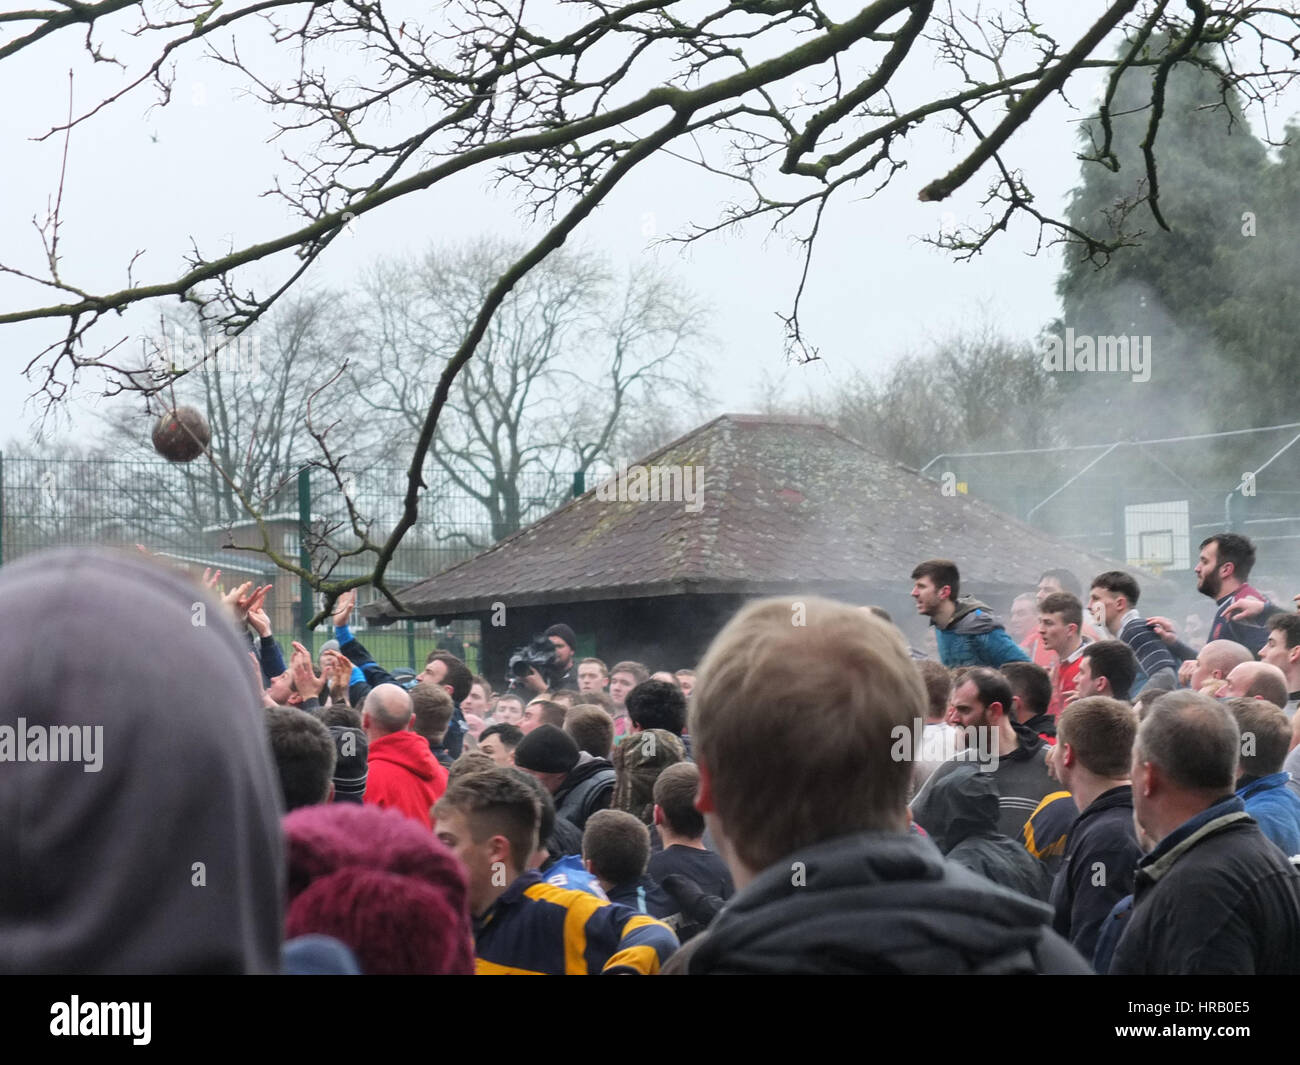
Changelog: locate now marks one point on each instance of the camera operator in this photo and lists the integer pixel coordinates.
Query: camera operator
(561, 671)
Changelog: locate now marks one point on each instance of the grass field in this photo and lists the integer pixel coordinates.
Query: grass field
(391, 649)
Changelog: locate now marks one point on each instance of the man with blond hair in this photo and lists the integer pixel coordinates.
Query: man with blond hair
(593, 675)
(807, 804)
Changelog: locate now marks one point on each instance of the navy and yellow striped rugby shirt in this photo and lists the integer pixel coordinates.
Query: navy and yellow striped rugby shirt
(537, 929)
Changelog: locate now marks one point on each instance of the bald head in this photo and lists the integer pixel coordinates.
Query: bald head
(1217, 659)
(1257, 680)
(387, 709)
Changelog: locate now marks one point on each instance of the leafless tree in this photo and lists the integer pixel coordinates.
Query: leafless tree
(254, 391)
(972, 391)
(795, 105)
(573, 354)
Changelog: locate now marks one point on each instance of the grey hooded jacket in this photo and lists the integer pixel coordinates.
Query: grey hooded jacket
(156, 846)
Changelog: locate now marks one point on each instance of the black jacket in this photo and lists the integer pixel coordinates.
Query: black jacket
(1097, 871)
(1043, 726)
(877, 902)
(565, 839)
(1022, 778)
(560, 679)
(965, 805)
(588, 787)
(1216, 896)
(644, 896)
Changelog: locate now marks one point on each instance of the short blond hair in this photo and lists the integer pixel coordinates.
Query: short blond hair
(433, 710)
(592, 729)
(1100, 731)
(1270, 736)
(794, 717)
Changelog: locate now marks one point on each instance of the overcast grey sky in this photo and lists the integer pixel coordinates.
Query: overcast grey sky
(198, 168)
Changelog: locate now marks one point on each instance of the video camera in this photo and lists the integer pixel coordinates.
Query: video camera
(538, 655)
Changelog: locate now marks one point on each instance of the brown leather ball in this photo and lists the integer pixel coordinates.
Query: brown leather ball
(181, 435)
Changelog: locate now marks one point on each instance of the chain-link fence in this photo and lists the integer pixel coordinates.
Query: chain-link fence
(191, 516)
(1151, 503)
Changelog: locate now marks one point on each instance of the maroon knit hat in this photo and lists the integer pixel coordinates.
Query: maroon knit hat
(381, 884)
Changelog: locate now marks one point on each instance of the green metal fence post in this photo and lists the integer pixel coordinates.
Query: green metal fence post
(579, 483)
(410, 643)
(305, 594)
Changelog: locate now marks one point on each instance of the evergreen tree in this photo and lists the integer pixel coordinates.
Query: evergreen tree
(1194, 289)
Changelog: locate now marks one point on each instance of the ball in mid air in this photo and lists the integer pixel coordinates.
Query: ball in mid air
(181, 435)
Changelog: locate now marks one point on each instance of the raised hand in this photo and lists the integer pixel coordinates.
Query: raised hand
(340, 674)
(305, 680)
(252, 600)
(232, 598)
(258, 617)
(343, 607)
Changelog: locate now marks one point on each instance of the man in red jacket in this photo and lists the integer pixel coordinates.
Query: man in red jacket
(403, 774)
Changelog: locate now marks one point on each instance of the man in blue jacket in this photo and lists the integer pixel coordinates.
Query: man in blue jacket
(1261, 783)
(967, 631)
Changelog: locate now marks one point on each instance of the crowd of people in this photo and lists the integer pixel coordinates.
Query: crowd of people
(1085, 792)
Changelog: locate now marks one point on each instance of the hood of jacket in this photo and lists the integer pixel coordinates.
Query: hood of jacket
(168, 858)
(963, 803)
(972, 618)
(408, 749)
(873, 902)
(638, 761)
(1040, 725)
(584, 770)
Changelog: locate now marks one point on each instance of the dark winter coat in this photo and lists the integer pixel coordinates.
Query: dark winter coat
(169, 856)
(877, 902)
(1215, 896)
(965, 805)
(1100, 861)
(588, 787)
